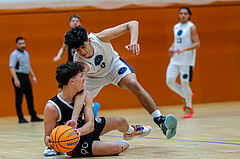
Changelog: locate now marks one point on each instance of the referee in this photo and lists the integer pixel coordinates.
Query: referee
(20, 68)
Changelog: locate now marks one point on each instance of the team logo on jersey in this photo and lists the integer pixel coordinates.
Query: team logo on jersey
(98, 60)
(122, 70)
(179, 33)
(185, 76)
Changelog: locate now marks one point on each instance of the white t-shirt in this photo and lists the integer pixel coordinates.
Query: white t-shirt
(182, 39)
(102, 60)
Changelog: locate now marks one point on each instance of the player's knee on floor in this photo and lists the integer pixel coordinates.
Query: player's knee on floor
(116, 148)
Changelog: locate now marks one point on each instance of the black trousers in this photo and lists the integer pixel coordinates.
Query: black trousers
(25, 88)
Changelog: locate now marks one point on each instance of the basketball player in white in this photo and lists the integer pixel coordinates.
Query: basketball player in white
(183, 51)
(104, 66)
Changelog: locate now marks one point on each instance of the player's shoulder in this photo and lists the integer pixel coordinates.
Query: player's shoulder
(191, 23)
(14, 52)
(92, 36)
(50, 106)
(177, 25)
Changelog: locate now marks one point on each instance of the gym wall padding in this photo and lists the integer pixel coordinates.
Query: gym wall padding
(215, 78)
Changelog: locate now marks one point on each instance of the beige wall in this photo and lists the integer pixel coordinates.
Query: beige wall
(215, 78)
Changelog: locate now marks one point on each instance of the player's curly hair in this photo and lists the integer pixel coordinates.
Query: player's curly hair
(66, 71)
(76, 37)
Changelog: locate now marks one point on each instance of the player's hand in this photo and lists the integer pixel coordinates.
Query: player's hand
(72, 123)
(56, 58)
(171, 51)
(134, 48)
(179, 51)
(78, 134)
(34, 80)
(17, 83)
(47, 141)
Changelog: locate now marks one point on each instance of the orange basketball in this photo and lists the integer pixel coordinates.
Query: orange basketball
(63, 138)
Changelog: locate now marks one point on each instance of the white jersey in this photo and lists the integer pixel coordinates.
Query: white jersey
(105, 66)
(102, 60)
(182, 39)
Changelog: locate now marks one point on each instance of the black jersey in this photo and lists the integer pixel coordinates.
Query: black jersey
(84, 146)
(65, 111)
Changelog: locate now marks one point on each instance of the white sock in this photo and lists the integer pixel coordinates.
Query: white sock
(156, 113)
(130, 130)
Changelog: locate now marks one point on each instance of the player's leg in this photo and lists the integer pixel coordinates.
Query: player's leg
(165, 123)
(124, 76)
(130, 82)
(186, 76)
(129, 132)
(18, 102)
(29, 98)
(104, 148)
(171, 75)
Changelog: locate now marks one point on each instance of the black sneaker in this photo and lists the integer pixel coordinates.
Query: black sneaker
(167, 124)
(36, 119)
(22, 121)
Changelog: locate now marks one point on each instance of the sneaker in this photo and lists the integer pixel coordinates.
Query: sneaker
(124, 144)
(188, 113)
(185, 104)
(95, 108)
(36, 119)
(138, 131)
(51, 152)
(22, 121)
(167, 124)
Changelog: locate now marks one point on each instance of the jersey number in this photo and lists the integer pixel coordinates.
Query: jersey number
(179, 40)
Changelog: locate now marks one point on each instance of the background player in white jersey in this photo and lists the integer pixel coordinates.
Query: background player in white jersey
(182, 61)
(103, 66)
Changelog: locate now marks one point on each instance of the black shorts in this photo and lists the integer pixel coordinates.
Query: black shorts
(84, 147)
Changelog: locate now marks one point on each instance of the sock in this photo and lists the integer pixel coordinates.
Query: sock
(156, 113)
(130, 130)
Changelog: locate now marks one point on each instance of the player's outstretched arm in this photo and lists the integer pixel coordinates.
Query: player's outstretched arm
(61, 52)
(108, 34)
(78, 104)
(88, 127)
(132, 26)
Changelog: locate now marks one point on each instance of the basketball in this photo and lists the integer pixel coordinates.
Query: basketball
(63, 138)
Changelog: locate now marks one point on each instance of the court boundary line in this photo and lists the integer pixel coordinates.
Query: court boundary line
(193, 141)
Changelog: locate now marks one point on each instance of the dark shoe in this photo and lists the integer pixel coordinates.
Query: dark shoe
(22, 121)
(167, 124)
(36, 119)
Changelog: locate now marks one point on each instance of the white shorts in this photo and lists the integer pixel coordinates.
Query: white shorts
(119, 70)
(185, 72)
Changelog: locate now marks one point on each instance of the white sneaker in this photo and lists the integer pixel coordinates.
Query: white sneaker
(138, 131)
(49, 152)
(124, 144)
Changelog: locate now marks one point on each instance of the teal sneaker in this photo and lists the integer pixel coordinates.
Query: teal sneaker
(167, 124)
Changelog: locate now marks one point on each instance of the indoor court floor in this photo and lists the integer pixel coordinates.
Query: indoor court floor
(213, 133)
